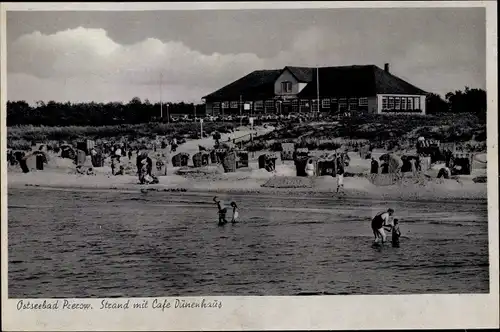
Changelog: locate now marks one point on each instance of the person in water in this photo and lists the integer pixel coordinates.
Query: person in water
(340, 175)
(379, 221)
(222, 211)
(396, 234)
(235, 212)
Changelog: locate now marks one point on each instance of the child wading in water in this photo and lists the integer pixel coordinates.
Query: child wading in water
(235, 212)
(396, 234)
(222, 211)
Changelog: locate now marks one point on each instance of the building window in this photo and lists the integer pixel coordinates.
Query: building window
(269, 104)
(325, 103)
(295, 105)
(417, 103)
(385, 103)
(342, 104)
(225, 104)
(216, 108)
(353, 103)
(286, 87)
(258, 106)
(363, 101)
(334, 100)
(403, 103)
(391, 103)
(314, 105)
(304, 104)
(397, 103)
(234, 104)
(410, 103)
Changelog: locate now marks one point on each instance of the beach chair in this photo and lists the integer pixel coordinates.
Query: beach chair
(287, 150)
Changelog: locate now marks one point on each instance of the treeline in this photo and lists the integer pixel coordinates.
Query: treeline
(137, 111)
(466, 101)
(96, 114)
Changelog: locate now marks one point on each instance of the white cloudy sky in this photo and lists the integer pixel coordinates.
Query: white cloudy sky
(115, 56)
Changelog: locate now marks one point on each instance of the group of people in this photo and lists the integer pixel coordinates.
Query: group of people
(223, 211)
(384, 221)
(381, 223)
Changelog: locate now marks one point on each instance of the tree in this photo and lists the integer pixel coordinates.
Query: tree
(435, 104)
(468, 101)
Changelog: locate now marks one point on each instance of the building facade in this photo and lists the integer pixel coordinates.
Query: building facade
(364, 89)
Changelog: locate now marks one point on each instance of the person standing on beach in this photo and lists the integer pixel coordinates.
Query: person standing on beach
(222, 211)
(340, 174)
(379, 221)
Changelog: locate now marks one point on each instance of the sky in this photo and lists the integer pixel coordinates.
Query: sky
(108, 56)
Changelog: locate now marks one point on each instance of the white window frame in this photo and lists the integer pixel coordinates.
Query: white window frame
(352, 104)
(304, 103)
(342, 104)
(258, 105)
(269, 105)
(397, 103)
(416, 105)
(225, 104)
(390, 104)
(385, 103)
(409, 104)
(315, 105)
(233, 104)
(363, 101)
(286, 87)
(325, 103)
(403, 103)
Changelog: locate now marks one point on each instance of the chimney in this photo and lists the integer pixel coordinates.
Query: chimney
(386, 67)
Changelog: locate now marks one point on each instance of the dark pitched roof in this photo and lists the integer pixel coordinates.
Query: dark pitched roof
(257, 84)
(356, 81)
(302, 74)
(388, 83)
(345, 81)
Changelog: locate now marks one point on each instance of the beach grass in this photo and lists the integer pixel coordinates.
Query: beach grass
(466, 130)
(21, 137)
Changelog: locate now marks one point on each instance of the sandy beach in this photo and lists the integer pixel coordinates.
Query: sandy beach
(60, 173)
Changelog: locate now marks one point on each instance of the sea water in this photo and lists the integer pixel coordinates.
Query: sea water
(65, 243)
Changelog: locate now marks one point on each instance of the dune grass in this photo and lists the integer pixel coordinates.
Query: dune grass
(21, 137)
(380, 132)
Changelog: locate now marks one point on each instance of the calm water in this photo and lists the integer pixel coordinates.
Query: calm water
(106, 244)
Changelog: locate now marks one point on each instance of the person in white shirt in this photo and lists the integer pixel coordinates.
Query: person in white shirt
(235, 212)
(310, 168)
(380, 221)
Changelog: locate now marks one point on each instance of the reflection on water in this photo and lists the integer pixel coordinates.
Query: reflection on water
(111, 244)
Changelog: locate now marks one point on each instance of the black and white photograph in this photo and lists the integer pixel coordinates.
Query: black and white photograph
(247, 152)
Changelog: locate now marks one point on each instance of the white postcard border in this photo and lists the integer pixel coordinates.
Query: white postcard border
(275, 313)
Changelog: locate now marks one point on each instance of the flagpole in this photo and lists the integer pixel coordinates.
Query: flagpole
(161, 102)
(317, 89)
